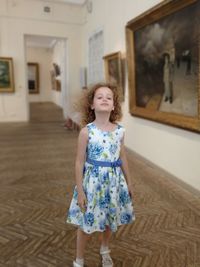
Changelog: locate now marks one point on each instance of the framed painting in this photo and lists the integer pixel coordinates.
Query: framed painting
(6, 75)
(33, 78)
(163, 54)
(113, 70)
(53, 79)
(58, 85)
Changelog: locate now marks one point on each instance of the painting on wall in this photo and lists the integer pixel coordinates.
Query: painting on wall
(56, 69)
(58, 85)
(163, 46)
(113, 70)
(6, 75)
(53, 79)
(33, 78)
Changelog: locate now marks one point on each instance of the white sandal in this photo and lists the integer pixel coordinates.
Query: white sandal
(75, 264)
(106, 259)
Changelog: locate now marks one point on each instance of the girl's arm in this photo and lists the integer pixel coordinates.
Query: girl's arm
(79, 165)
(125, 168)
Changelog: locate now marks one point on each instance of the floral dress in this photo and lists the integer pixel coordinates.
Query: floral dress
(108, 199)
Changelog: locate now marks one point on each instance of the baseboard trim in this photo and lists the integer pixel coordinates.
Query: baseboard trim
(167, 175)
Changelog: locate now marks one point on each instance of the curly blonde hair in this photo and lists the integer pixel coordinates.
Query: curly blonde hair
(88, 114)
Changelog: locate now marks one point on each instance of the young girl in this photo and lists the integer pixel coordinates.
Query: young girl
(102, 197)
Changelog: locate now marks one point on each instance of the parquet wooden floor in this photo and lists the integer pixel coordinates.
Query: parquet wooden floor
(36, 181)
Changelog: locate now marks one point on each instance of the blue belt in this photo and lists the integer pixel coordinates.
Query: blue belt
(113, 164)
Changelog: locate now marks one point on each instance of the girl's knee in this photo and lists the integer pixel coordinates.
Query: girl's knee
(107, 229)
(83, 234)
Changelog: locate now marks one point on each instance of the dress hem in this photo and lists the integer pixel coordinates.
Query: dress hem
(99, 230)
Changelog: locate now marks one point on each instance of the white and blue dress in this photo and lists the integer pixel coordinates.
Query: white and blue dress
(108, 200)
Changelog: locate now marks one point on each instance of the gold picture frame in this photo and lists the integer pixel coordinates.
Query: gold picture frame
(33, 78)
(163, 56)
(113, 70)
(6, 75)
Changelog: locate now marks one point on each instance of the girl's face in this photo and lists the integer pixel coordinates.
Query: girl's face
(103, 100)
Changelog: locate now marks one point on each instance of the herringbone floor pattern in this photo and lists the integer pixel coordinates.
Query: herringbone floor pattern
(36, 181)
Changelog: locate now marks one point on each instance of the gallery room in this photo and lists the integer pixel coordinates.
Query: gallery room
(139, 130)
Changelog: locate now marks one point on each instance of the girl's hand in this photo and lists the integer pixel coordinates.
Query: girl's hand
(82, 201)
(130, 189)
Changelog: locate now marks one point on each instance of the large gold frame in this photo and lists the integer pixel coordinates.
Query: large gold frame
(152, 16)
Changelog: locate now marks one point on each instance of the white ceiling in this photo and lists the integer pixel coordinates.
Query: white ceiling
(40, 41)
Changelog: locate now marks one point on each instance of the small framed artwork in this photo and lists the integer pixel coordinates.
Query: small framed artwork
(53, 80)
(33, 78)
(113, 70)
(58, 85)
(6, 75)
(163, 56)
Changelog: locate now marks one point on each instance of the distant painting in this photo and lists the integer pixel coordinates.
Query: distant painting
(53, 79)
(58, 85)
(113, 70)
(6, 75)
(164, 61)
(33, 78)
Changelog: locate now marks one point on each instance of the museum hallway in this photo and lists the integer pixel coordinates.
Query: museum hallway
(36, 182)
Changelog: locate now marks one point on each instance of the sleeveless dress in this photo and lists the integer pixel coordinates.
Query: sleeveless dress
(108, 199)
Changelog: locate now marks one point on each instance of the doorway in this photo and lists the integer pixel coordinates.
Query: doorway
(50, 78)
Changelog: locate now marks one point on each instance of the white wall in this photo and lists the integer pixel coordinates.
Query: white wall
(19, 18)
(42, 56)
(175, 150)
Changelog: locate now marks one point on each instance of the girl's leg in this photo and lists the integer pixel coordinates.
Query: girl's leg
(104, 250)
(105, 237)
(81, 242)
